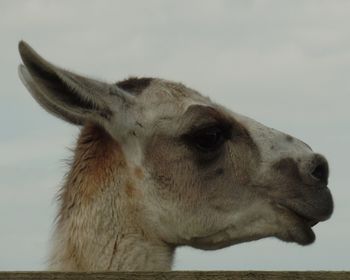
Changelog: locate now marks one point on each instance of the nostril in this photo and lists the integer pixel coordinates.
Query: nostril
(320, 171)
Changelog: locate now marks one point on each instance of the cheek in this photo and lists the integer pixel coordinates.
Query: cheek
(175, 180)
(195, 200)
(243, 163)
(228, 185)
(171, 170)
(179, 178)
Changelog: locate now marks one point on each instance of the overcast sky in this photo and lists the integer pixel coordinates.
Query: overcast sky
(283, 63)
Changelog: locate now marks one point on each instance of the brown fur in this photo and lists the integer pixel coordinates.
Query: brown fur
(97, 156)
(139, 174)
(130, 189)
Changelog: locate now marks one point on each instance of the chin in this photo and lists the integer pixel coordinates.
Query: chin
(222, 239)
(300, 233)
(210, 246)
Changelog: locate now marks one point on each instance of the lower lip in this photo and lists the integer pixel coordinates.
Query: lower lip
(308, 221)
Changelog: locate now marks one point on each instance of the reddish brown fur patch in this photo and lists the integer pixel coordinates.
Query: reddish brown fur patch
(97, 162)
(130, 189)
(139, 173)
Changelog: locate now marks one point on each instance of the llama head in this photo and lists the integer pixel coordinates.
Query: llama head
(205, 176)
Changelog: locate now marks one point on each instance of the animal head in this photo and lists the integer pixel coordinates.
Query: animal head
(206, 176)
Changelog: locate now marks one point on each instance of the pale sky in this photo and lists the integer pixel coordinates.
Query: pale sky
(283, 63)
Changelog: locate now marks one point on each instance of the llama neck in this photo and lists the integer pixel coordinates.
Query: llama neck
(132, 252)
(100, 226)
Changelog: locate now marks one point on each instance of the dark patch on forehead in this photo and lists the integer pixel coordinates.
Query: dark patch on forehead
(134, 85)
(289, 138)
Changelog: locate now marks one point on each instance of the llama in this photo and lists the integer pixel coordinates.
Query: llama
(157, 165)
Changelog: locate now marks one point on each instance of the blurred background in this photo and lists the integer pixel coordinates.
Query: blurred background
(283, 63)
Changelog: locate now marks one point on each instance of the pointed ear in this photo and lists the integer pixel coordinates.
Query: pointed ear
(69, 96)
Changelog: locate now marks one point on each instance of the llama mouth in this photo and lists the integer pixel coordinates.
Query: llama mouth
(300, 226)
(220, 239)
(308, 220)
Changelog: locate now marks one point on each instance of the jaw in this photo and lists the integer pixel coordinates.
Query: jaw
(281, 222)
(243, 228)
(221, 239)
(297, 230)
(299, 233)
(298, 216)
(298, 226)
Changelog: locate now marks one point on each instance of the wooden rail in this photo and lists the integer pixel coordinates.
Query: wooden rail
(178, 275)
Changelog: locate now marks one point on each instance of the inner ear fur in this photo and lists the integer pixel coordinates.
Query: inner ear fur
(69, 96)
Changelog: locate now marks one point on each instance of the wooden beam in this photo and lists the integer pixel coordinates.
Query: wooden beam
(179, 275)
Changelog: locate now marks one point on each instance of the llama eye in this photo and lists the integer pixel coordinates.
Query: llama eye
(209, 139)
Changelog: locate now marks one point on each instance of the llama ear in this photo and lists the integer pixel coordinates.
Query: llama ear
(69, 96)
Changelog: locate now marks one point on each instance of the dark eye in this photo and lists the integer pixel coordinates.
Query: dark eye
(208, 139)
